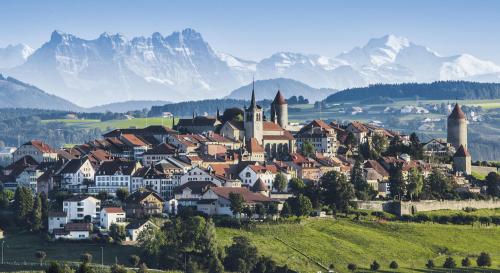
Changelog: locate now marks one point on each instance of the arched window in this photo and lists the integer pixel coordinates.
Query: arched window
(248, 174)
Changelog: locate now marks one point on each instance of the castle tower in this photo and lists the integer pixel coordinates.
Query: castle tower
(253, 120)
(457, 128)
(279, 110)
(462, 161)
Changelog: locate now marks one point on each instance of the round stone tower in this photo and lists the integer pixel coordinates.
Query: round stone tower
(457, 128)
(279, 110)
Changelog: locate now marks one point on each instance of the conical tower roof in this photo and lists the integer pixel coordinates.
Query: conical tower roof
(279, 99)
(462, 152)
(457, 113)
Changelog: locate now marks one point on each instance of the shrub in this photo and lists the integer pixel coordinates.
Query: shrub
(86, 258)
(143, 268)
(352, 267)
(116, 268)
(449, 263)
(466, 262)
(430, 264)
(469, 209)
(484, 259)
(393, 265)
(134, 260)
(374, 266)
(485, 220)
(495, 219)
(421, 218)
(443, 219)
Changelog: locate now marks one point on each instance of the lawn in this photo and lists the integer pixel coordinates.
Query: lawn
(479, 212)
(21, 247)
(324, 240)
(345, 241)
(113, 124)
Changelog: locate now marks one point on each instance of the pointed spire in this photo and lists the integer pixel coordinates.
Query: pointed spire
(457, 113)
(252, 103)
(218, 114)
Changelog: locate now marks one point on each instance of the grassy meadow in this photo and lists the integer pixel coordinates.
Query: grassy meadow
(113, 124)
(326, 241)
(344, 241)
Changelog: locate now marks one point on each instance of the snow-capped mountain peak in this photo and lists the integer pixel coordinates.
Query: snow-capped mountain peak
(183, 66)
(14, 55)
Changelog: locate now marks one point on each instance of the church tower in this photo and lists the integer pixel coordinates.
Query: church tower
(279, 110)
(253, 121)
(457, 128)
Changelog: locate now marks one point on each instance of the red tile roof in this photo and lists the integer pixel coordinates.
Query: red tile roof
(133, 140)
(113, 210)
(271, 126)
(41, 146)
(254, 146)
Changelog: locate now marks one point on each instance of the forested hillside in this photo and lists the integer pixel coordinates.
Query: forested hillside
(442, 90)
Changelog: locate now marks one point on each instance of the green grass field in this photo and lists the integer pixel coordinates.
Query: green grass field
(325, 240)
(345, 241)
(113, 124)
(479, 212)
(21, 247)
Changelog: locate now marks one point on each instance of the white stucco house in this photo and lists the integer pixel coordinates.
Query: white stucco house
(77, 207)
(57, 220)
(111, 215)
(75, 172)
(135, 228)
(74, 231)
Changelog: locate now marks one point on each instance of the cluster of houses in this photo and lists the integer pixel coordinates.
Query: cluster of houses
(198, 164)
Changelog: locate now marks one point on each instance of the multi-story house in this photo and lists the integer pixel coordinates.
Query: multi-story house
(320, 135)
(143, 203)
(79, 207)
(113, 175)
(199, 174)
(160, 152)
(76, 174)
(111, 215)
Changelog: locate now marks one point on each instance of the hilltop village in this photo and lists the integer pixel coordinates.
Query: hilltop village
(206, 163)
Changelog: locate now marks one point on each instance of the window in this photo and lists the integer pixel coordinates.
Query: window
(79, 209)
(248, 174)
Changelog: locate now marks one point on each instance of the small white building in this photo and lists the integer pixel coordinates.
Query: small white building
(57, 220)
(78, 207)
(74, 231)
(111, 215)
(135, 228)
(215, 201)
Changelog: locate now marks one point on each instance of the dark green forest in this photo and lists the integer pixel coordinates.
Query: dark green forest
(441, 90)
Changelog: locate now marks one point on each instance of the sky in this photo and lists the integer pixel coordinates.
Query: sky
(257, 29)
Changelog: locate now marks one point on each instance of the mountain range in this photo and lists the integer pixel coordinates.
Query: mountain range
(266, 89)
(183, 66)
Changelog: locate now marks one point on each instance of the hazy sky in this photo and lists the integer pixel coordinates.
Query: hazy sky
(256, 29)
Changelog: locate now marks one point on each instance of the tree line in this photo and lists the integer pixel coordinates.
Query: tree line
(440, 90)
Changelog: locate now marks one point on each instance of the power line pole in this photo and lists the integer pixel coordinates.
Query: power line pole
(102, 255)
(3, 241)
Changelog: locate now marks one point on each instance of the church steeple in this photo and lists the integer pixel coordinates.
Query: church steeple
(252, 102)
